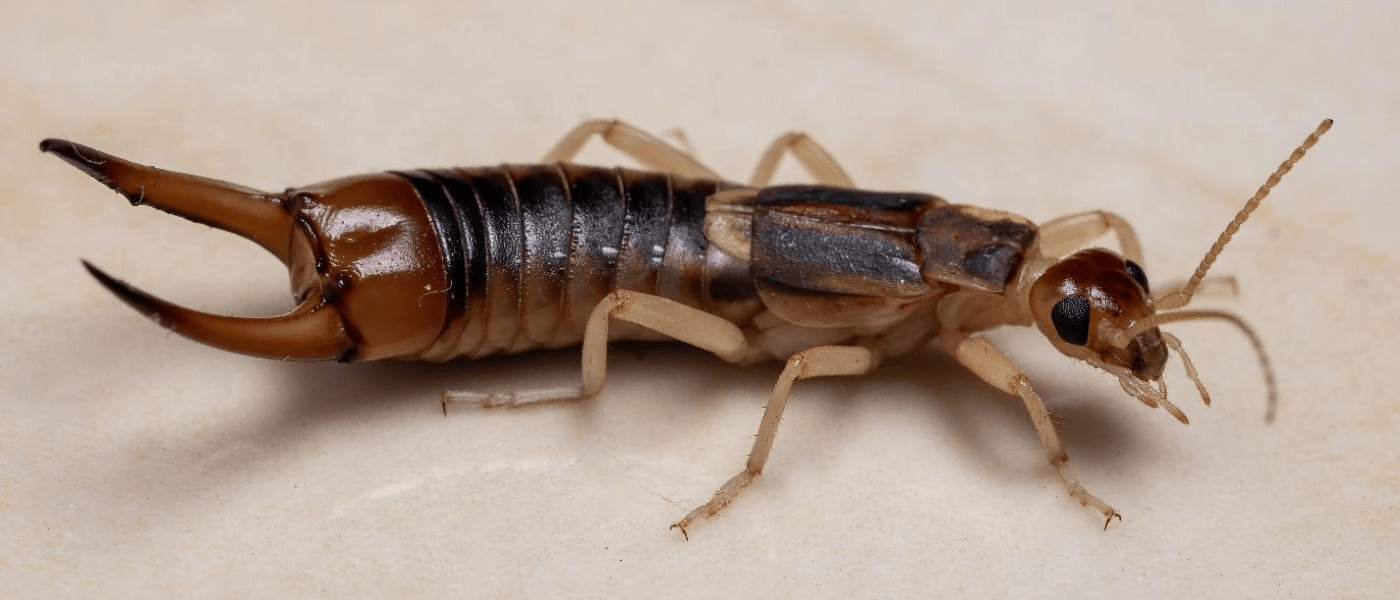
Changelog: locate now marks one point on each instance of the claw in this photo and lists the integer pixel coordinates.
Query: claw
(678, 525)
(312, 331)
(1109, 519)
(252, 214)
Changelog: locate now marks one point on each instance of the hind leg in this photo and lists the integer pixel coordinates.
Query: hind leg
(686, 324)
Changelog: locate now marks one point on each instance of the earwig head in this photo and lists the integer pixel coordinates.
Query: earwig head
(1096, 306)
(365, 266)
(1085, 303)
(1091, 305)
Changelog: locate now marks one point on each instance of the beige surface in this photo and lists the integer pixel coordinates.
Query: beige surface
(136, 464)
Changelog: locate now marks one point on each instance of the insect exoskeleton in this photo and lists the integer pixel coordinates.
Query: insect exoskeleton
(443, 264)
(1086, 302)
(360, 252)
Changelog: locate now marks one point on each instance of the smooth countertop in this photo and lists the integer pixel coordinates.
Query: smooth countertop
(134, 463)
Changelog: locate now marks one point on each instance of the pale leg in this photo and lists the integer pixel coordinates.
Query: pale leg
(649, 150)
(818, 162)
(677, 135)
(983, 359)
(821, 361)
(668, 317)
(1061, 236)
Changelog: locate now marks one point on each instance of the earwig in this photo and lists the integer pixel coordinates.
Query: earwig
(444, 264)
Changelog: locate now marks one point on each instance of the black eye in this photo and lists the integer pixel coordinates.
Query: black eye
(1071, 319)
(1138, 274)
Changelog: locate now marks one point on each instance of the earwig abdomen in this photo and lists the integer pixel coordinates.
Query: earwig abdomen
(531, 250)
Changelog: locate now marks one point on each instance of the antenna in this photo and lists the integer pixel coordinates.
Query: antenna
(1182, 297)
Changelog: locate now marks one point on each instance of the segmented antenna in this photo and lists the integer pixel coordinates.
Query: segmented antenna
(1183, 297)
(1162, 318)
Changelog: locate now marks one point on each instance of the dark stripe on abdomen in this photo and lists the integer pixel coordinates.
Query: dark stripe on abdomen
(533, 249)
(546, 217)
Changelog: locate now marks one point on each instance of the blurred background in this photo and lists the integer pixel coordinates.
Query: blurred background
(136, 463)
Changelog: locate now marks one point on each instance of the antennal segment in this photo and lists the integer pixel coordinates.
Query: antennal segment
(1270, 383)
(1183, 297)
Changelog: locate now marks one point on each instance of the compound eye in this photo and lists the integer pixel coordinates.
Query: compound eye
(1135, 271)
(1071, 319)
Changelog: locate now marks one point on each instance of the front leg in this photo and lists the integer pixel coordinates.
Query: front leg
(995, 368)
(1061, 236)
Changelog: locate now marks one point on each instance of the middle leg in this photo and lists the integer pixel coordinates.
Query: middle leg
(815, 159)
(822, 361)
(647, 149)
